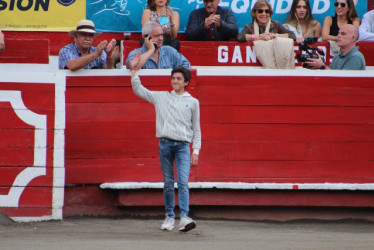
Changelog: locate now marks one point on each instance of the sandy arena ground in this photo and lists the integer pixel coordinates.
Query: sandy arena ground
(106, 233)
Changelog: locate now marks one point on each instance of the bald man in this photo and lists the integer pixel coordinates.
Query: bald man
(349, 57)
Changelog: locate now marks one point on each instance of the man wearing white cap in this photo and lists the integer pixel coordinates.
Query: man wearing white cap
(81, 53)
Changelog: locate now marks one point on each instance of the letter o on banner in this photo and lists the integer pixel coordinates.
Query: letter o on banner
(66, 2)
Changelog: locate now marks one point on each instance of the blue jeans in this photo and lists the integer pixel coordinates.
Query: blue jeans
(179, 152)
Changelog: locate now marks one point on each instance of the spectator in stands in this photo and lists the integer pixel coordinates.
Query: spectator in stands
(263, 28)
(2, 42)
(81, 54)
(367, 27)
(345, 13)
(349, 57)
(177, 124)
(159, 11)
(153, 54)
(117, 54)
(301, 22)
(211, 23)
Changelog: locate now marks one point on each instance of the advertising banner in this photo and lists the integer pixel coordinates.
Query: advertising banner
(125, 15)
(41, 15)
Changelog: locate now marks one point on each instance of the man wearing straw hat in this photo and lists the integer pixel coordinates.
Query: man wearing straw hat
(81, 54)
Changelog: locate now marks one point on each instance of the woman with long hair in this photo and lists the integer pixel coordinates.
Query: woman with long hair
(263, 27)
(301, 22)
(345, 13)
(160, 12)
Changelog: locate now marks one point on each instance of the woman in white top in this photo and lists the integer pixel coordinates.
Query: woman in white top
(301, 22)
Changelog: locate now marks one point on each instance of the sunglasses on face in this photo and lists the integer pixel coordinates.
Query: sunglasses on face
(260, 11)
(336, 4)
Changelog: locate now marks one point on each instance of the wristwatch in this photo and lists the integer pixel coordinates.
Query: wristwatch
(323, 67)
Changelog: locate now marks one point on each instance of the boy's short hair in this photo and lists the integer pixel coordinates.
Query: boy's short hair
(185, 72)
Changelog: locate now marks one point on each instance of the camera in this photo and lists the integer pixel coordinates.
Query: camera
(307, 51)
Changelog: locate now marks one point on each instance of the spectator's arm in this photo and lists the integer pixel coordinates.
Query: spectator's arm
(366, 29)
(284, 32)
(109, 64)
(174, 23)
(80, 62)
(326, 30)
(195, 27)
(244, 36)
(2, 42)
(356, 22)
(316, 63)
(144, 57)
(228, 28)
(318, 30)
(180, 61)
(145, 17)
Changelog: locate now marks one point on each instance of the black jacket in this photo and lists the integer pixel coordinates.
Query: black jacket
(195, 28)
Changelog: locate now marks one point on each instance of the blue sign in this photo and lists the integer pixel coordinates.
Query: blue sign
(125, 15)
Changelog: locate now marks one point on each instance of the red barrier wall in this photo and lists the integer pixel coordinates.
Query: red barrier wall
(257, 127)
(25, 51)
(32, 126)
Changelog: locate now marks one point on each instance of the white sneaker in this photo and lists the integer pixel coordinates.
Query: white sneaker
(168, 224)
(186, 224)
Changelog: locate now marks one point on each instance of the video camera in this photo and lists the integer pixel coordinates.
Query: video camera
(310, 52)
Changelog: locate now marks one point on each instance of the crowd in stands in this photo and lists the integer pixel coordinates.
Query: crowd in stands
(160, 25)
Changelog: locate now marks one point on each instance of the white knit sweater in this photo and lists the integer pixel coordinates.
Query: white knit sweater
(177, 116)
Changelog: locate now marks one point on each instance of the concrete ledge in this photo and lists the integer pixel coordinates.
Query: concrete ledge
(243, 186)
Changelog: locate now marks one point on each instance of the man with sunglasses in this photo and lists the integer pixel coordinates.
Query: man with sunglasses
(349, 57)
(211, 23)
(82, 54)
(153, 54)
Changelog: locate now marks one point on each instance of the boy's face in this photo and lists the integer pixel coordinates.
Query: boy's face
(178, 83)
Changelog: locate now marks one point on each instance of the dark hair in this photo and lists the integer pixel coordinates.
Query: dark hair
(292, 18)
(152, 6)
(352, 13)
(185, 72)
